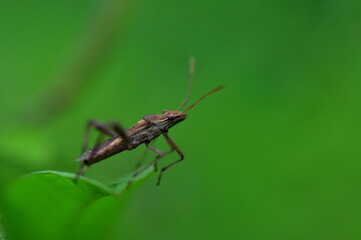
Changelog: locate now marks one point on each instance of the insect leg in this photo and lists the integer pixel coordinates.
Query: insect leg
(141, 159)
(159, 153)
(83, 168)
(174, 146)
(111, 129)
(101, 127)
(159, 156)
(121, 132)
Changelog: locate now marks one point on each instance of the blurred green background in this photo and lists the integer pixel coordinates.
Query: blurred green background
(275, 155)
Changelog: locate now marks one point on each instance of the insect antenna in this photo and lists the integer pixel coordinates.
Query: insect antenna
(191, 74)
(211, 92)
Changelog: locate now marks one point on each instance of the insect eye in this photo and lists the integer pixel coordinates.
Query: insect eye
(171, 116)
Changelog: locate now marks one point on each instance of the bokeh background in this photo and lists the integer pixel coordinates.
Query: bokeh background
(275, 155)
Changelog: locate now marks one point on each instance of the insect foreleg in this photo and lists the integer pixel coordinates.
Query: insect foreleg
(174, 146)
(159, 153)
(143, 157)
(159, 156)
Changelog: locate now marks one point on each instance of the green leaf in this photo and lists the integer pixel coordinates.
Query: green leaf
(50, 205)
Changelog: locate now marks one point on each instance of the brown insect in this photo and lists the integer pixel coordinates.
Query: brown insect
(143, 132)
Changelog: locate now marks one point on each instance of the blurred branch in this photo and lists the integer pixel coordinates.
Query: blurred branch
(93, 49)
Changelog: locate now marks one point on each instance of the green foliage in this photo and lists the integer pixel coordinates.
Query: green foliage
(50, 205)
(275, 155)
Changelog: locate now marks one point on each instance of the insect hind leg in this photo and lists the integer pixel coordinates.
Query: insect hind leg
(82, 170)
(111, 129)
